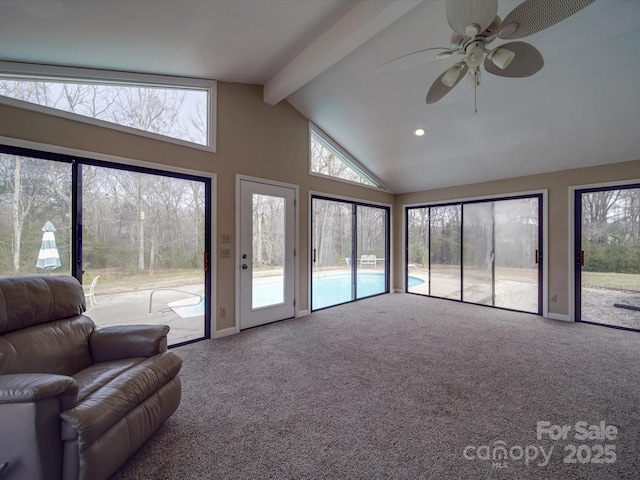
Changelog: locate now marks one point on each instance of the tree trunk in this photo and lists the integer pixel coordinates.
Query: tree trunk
(152, 252)
(140, 241)
(259, 231)
(17, 220)
(140, 227)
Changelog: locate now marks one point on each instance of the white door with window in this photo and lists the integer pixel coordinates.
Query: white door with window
(266, 252)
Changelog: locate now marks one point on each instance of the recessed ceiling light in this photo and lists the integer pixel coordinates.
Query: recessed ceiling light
(419, 132)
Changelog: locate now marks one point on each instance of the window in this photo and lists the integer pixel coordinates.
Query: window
(177, 109)
(607, 255)
(328, 159)
(350, 253)
(486, 252)
(135, 237)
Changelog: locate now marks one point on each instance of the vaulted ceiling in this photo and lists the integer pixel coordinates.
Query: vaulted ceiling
(322, 56)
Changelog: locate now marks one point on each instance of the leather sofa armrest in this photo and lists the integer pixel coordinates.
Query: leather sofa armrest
(118, 342)
(33, 387)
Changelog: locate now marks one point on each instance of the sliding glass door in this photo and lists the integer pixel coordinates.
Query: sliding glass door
(349, 257)
(478, 269)
(518, 254)
(141, 237)
(607, 256)
(371, 251)
(444, 239)
(486, 252)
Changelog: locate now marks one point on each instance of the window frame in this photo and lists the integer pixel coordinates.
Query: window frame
(542, 274)
(40, 72)
(575, 248)
(354, 203)
(78, 158)
(347, 158)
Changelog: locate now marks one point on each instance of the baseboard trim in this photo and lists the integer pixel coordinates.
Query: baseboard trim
(559, 316)
(225, 332)
(302, 313)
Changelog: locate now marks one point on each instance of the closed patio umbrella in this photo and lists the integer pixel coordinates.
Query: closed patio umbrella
(48, 257)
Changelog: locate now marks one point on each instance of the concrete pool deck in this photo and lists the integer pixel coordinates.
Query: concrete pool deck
(133, 308)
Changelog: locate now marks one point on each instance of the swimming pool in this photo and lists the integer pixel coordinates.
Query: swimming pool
(326, 290)
(332, 289)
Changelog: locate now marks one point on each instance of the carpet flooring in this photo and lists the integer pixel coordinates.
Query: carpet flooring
(404, 387)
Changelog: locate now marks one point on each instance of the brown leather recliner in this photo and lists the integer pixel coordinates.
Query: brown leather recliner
(75, 401)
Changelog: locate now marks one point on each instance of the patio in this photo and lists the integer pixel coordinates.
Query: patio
(134, 308)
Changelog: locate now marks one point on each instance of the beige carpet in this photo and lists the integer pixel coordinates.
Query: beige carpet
(402, 386)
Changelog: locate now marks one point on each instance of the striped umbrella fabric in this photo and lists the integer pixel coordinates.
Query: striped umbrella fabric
(48, 257)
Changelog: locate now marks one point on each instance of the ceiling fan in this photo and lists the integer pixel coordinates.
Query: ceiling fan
(476, 25)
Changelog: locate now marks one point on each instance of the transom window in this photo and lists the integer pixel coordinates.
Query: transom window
(329, 159)
(175, 108)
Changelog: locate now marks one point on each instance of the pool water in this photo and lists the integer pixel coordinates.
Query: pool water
(332, 289)
(188, 307)
(327, 290)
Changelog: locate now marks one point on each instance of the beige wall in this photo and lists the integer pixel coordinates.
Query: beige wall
(557, 184)
(253, 139)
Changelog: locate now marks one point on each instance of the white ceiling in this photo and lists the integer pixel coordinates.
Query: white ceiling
(581, 109)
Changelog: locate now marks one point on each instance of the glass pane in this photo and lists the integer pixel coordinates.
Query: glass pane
(478, 253)
(610, 286)
(327, 160)
(35, 225)
(445, 251)
(143, 242)
(418, 250)
(332, 278)
(176, 113)
(516, 270)
(371, 271)
(268, 250)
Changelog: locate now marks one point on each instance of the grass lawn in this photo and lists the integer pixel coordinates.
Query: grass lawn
(117, 281)
(611, 281)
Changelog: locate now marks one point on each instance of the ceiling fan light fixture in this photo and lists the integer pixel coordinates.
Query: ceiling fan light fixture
(473, 79)
(450, 77)
(475, 55)
(501, 57)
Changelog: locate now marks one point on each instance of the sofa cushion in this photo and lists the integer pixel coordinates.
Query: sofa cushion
(101, 409)
(27, 301)
(60, 347)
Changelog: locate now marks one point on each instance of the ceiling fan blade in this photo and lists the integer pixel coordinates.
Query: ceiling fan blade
(533, 16)
(439, 89)
(462, 13)
(527, 61)
(415, 59)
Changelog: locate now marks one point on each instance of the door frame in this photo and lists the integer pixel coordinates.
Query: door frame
(572, 250)
(296, 237)
(543, 279)
(60, 153)
(356, 201)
